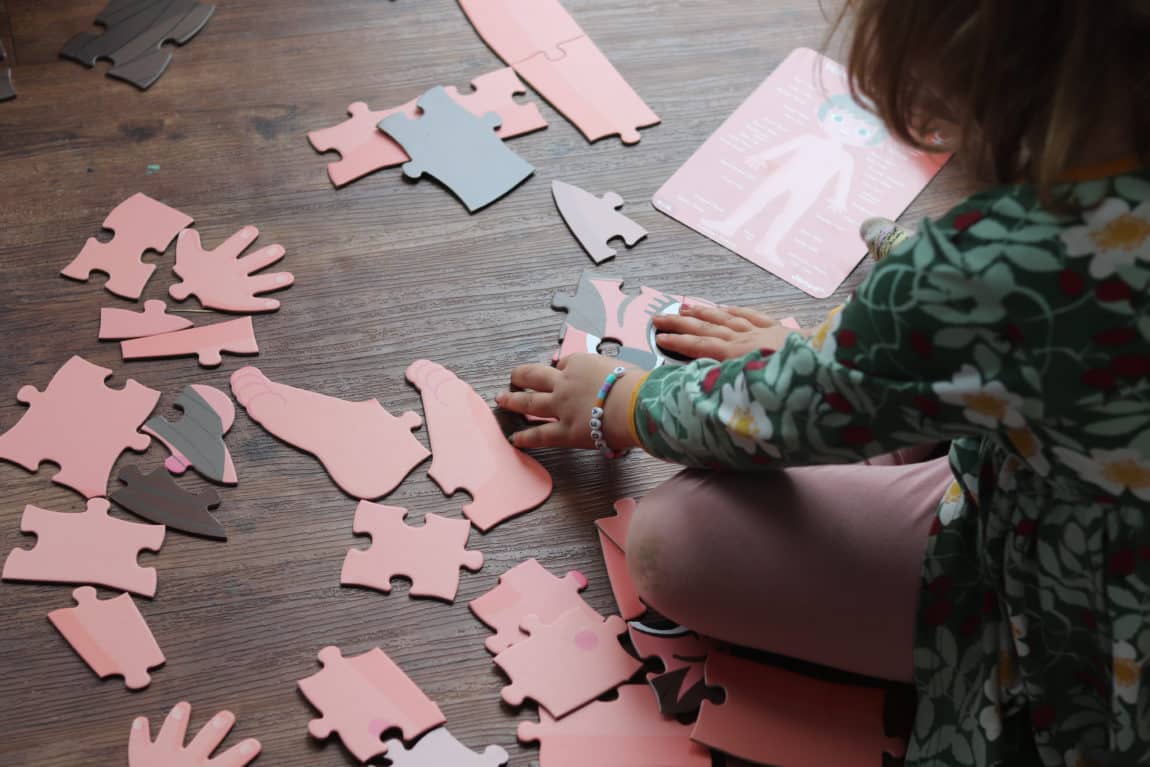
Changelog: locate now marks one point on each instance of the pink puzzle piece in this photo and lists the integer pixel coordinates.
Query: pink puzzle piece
(471, 453)
(168, 749)
(528, 589)
(519, 29)
(679, 688)
(90, 547)
(439, 748)
(364, 148)
(140, 224)
(80, 424)
(110, 635)
(120, 324)
(206, 342)
(178, 463)
(366, 450)
(626, 732)
(568, 663)
(613, 541)
(222, 279)
(430, 556)
(773, 716)
(364, 696)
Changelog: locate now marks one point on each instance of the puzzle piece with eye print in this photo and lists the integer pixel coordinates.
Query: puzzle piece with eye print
(110, 635)
(679, 688)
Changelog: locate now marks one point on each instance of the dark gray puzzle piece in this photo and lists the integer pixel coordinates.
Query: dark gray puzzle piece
(199, 435)
(158, 498)
(7, 90)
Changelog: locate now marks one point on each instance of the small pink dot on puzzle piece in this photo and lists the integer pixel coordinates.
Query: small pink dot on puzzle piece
(586, 640)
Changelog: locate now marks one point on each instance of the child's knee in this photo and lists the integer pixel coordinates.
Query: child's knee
(657, 556)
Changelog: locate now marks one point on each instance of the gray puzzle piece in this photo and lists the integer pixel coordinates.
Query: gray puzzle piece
(459, 149)
(199, 435)
(7, 91)
(595, 220)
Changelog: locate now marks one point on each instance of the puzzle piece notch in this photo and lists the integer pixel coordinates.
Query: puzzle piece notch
(168, 749)
(524, 590)
(362, 697)
(680, 687)
(613, 541)
(89, 547)
(224, 278)
(197, 439)
(110, 635)
(520, 29)
(157, 498)
(430, 555)
(439, 748)
(207, 343)
(595, 221)
(7, 90)
(121, 324)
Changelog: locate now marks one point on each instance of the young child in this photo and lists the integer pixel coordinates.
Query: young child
(1010, 582)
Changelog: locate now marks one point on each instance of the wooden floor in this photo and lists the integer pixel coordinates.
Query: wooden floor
(386, 272)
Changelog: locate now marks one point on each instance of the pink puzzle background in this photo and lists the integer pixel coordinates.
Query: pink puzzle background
(788, 178)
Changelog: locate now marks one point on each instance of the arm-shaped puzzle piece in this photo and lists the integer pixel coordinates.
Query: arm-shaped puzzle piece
(613, 542)
(224, 278)
(679, 688)
(121, 324)
(168, 750)
(7, 90)
(366, 450)
(157, 498)
(519, 29)
(430, 555)
(80, 424)
(528, 589)
(139, 224)
(110, 635)
(90, 547)
(362, 697)
(595, 220)
(774, 716)
(197, 440)
(439, 748)
(568, 663)
(206, 342)
(471, 453)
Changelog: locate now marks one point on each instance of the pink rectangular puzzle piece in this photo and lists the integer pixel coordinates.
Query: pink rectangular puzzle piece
(206, 342)
(110, 635)
(613, 541)
(788, 179)
(121, 324)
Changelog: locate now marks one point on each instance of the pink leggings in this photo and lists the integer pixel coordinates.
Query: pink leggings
(819, 563)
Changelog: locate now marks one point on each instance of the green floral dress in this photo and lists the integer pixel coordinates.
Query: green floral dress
(1023, 337)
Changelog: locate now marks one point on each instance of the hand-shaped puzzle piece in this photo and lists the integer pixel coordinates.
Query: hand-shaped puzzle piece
(197, 439)
(457, 148)
(364, 696)
(568, 663)
(773, 716)
(364, 148)
(222, 279)
(140, 224)
(7, 91)
(121, 324)
(110, 635)
(528, 589)
(626, 732)
(679, 688)
(90, 547)
(366, 450)
(595, 220)
(207, 343)
(168, 750)
(471, 453)
(80, 424)
(613, 542)
(157, 498)
(430, 556)
(439, 748)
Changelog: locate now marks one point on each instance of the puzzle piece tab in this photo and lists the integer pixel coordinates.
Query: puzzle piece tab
(168, 749)
(7, 90)
(197, 440)
(524, 590)
(439, 748)
(519, 29)
(613, 541)
(222, 279)
(364, 696)
(157, 498)
(679, 688)
(122, 324)
(595, 220)
(110, 635)
(430, 555)
(80, 424)
(206, 342)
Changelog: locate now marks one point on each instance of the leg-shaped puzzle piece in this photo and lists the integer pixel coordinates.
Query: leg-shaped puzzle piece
(110, 635)
(774, 716)
(90, 547)
(140, 224)
(197, 439)
(364, 696)
(430, 555)
(439, 748)
(568, 663)
(157, 498)
(366, 450)
(626, 732)
(457, 148)
(519, 29)
(679, 688)
(364, 148)
(613, 541)
(206, 342)
(595, 220)
(81, 424)
(221, 279)
(168, 749)
(7, 90)
(524, 590)
(471, 453)
(122, 324)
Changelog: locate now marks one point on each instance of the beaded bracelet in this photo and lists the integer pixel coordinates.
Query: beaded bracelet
(598, 411)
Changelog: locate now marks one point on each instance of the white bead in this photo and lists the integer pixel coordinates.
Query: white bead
(596, 435)
(596, 412)
(596, 423)
(619, 371)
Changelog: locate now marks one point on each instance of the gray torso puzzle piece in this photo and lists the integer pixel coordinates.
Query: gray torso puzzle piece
(7, 91)
(199, 435)
(459, 149)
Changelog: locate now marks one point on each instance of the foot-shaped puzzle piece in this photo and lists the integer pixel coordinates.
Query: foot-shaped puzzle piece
(110, 635)
(430, 556)
(439, 748)
(207, 343)
(90, 547)
(568, 663)
(471, 453)
(157, 498)
(222, 279)
(595, 220)
(679, 688)
(774, 716)
(626, 732)
(122, 324)
(80, 424)
(168, 750)
(524, 590)
(197, 439)
(613, 542)
(366, 450)
(140, 224)
(364, 696)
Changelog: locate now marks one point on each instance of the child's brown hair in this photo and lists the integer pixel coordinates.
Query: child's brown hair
(1026, 82)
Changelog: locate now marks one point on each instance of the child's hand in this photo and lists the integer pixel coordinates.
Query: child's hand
(718, 333)
(567, 393)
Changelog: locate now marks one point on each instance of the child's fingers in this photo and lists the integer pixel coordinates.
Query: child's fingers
(693, 346)
(537, 377)
(536, 403)
(671, 323)
(719, 316)
(758, 319)
(547, 435)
